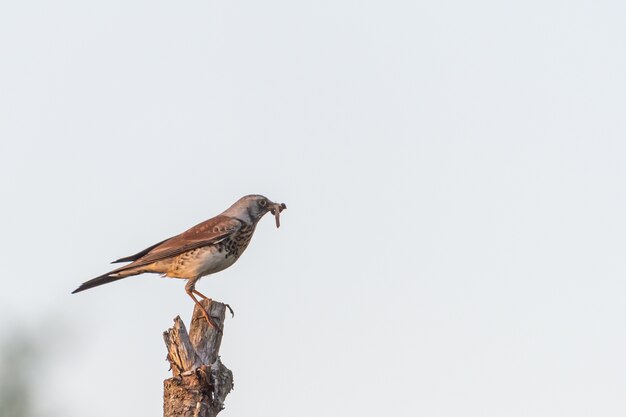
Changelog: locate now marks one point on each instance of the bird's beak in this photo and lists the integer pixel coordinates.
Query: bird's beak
(275, 209)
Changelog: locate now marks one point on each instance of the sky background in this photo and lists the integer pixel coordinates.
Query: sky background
(454, 175)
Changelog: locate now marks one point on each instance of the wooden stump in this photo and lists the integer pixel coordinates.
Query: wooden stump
(200, 382)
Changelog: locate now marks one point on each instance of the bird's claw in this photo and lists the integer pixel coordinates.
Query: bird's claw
(210, 320)
(215, 326)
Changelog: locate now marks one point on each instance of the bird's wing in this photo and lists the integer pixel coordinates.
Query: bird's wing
(139, 254)
(206, 233)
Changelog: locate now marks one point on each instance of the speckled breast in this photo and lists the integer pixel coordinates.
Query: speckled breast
(236, 244)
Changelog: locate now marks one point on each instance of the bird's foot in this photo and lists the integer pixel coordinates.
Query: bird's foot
(210, 320)
(232, 313)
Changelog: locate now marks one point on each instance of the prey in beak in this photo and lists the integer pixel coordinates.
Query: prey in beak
(275, 209)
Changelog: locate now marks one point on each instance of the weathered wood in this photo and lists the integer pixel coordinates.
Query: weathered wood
(200, 381)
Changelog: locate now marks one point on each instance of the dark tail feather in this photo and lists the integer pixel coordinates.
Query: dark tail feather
(103, 279)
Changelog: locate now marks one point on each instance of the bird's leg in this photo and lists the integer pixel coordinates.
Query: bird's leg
(200, 294)
(232, 313)
(190, 290)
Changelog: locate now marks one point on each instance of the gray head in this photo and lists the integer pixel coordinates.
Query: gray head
(251, 208)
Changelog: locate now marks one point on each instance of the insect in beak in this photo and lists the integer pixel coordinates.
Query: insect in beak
(275, 210)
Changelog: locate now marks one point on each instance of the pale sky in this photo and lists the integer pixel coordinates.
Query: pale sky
(454, 176)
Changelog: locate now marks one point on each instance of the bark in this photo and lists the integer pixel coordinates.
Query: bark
(200, 382)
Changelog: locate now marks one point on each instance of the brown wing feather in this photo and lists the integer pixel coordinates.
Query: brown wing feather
(203, 234)
(139, 254)
(206, 233)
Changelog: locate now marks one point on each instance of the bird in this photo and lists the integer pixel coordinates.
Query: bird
(206, 248)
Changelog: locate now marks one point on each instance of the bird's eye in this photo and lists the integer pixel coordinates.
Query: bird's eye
(262, 203)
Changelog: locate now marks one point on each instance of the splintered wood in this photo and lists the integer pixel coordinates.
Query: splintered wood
(200, 381)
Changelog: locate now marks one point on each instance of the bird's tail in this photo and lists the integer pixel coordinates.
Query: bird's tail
(114, 275)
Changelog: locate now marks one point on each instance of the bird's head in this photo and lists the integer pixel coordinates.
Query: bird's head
(252, 207)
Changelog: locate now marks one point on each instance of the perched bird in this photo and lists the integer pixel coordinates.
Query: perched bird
(206, 248)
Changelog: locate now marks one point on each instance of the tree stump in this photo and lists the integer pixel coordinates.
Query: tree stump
(200, 382)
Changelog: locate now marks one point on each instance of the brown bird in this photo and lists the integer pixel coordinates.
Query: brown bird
(206, 248)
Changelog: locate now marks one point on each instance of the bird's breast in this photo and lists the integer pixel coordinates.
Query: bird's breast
(234, 245)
